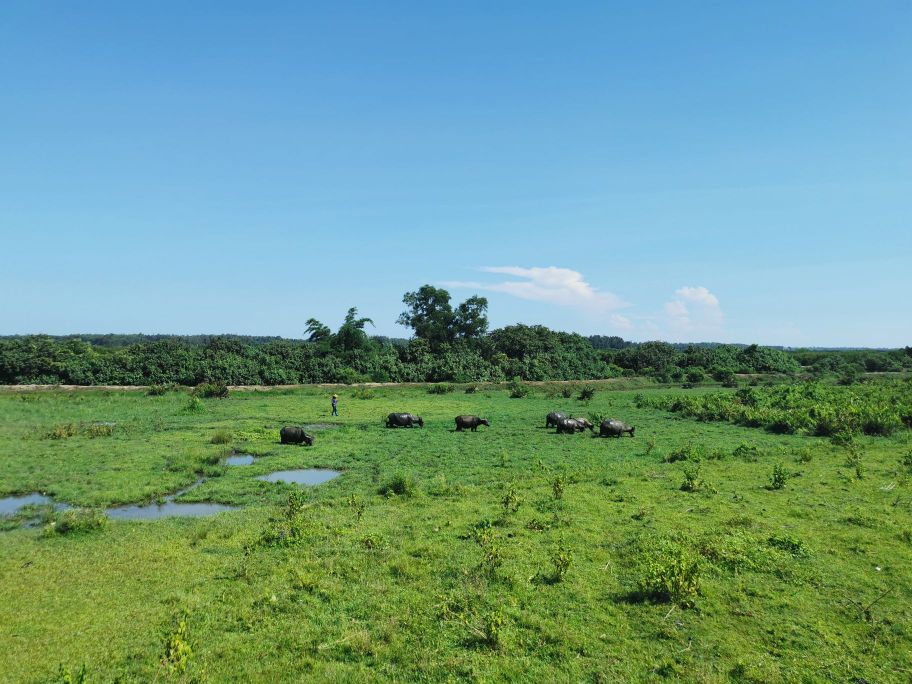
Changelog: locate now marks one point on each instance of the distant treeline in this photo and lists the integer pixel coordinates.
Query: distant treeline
(528, 352)
(450, 344)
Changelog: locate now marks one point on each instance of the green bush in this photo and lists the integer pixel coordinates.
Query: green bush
(399, 485)
(586, 393)
(161, 389)
(75, 520)
(688, 452)
(779, 477)
(211, 390)
(518, 389)
(669, 573)
(693, 480)
(441, 388)
(365, 393)
(194, 405)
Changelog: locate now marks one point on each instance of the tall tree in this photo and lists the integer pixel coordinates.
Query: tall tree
(316, 331)
(471, 321)
(429, 314)
(351, 335)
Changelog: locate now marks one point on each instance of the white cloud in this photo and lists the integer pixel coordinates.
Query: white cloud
(552, 284)
(694, 309)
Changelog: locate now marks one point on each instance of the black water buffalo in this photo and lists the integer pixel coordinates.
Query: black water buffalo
(571, 425)
(553, 418)
(404, 420)
(614, 428)
(295, 435)
(463, 422)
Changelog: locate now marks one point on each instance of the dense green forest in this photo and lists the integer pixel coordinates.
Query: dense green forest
(449, 344)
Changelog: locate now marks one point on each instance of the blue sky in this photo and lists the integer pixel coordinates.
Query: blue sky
(682, 171)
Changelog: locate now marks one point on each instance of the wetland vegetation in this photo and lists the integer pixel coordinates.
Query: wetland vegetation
(699, 550)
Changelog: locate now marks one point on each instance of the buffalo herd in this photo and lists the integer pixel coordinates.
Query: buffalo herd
(564, 424)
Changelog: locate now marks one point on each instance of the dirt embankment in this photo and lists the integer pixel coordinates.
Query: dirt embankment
(266, 388)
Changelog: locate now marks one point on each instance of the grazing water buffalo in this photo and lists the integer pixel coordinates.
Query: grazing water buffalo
(614, 428)
(463, 422)
(295, 435)
(571, 425)
(553, 418)
(404, 420)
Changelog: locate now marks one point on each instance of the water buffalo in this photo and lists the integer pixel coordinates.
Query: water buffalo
(553, 418)
(295, 435)
(614, 428)
(404, 420)
(571, 425)
(463, 422)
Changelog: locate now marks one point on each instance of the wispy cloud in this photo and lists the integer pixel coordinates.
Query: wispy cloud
(551, 284)
(693, 309)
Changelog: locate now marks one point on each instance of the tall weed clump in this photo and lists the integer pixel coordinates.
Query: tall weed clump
(77, 520)
(669, 572)
(221, 437)
(399, 485)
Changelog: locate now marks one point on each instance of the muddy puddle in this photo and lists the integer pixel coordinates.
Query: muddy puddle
(239, 460)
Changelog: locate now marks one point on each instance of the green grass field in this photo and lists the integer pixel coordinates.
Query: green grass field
(510, 554)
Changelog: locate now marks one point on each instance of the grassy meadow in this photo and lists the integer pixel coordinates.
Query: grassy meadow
(696, 551)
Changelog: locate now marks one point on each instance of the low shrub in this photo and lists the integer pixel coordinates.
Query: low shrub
(159, 390)
(399, 485)
(907, 460)
(596, 418)
(557, 487)
(789, 544)
(747, 452)
(510, 501)
(177, 650)
(75, 520)
(94, 430)
(693, 480)
(211, 390)
(688, 452)
(63, 431)
(586, 393)
(561, 559)
(221, 437)
(670, 572)
(778, 478)
(194, 405)
(518, 389)
(440, 388)
(365, 393)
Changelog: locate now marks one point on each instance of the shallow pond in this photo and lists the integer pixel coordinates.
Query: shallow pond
(309, 476)
(239, 460)
(10, 504)
(168, 508)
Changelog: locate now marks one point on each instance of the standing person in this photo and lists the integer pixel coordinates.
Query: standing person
(335, 405)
